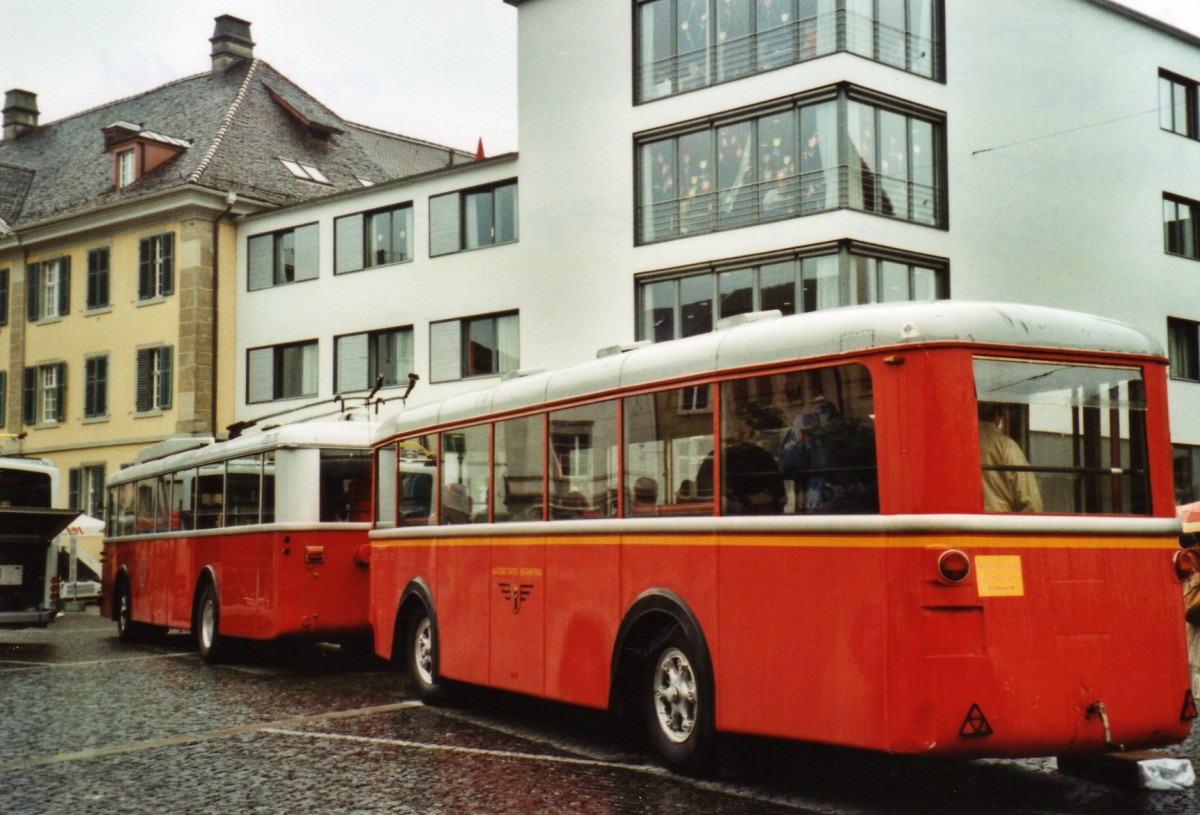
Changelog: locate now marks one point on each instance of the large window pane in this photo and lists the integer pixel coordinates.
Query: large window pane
(656, 49)
(799, 443)
(821, 284)
(777, 284)
(243, 491)
(659, 195)
(465, 475)
(777, 165)
(697, 173)
(736, 292)
(583, 471)
(693, 23)
(733, 39)
(668, 452)
(818, 157)
(1062, 438)
(658, 311)
(696, 305)
(519, 467)
(345, 485)
(735, 174)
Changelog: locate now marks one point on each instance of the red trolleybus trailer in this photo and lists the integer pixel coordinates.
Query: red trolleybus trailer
(260, 537)
(781, 529)
(29, 528)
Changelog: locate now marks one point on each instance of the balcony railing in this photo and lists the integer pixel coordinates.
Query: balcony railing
(800, 41)
(840, 187)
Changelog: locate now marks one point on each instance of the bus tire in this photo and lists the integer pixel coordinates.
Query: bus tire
(127, 629)
(206, 625)
(678, 704)
(421, 658)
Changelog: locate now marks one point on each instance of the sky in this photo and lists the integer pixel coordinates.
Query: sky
(440, 70)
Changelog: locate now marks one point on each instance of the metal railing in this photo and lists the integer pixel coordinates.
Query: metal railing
(839, 187)
(799, 41)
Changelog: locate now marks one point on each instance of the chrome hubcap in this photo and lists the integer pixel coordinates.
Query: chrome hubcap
(423, 652)
(675, 695)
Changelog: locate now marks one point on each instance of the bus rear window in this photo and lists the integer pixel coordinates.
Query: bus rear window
(1062, 438)
(21, 488)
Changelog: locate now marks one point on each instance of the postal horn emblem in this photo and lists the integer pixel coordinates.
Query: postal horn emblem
(515, 594)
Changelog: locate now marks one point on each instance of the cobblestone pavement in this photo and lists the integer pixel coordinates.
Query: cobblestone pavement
(91, 725)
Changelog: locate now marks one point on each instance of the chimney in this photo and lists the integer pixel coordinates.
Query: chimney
(231, 43)
(20, 112)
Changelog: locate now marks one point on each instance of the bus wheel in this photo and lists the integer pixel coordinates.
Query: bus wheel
(206, 626)
(678, 701)
(127, 629)
(421, 654)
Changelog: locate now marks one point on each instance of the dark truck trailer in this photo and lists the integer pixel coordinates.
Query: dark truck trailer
(29, 565)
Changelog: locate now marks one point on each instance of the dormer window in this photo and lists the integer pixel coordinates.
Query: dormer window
(138, 152)
(126, 167)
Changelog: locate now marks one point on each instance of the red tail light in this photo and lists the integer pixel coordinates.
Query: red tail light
(953, 566)
(1187, 563)
(53, 590)
(314, 554)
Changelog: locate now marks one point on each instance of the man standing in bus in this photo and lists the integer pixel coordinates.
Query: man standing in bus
(1004, 490)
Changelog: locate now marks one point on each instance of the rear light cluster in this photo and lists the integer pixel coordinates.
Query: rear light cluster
(54, 590)
(1187, 563)
(953, 566)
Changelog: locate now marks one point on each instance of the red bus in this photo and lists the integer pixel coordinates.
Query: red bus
(260, 537)
(796, 528)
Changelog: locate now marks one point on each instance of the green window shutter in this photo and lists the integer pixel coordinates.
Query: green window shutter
(61, 388)
(31, 291)
(64, 286)
(143, 380)
(145, 269)
(3, 398)
(75, 488)
(168, 263)
(29, 397)
(3, 296)
(164, 377)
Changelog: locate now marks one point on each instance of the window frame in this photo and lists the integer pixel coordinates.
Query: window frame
(305, 251)
(372, 339)
(1170, 87)
(1183, 349)
(95, 386)
(37, 305)
(99, 277)
(156, 267)
(352, 241)
(38, 379)
(678, 190)
(277, 374)
(850, 284)
(449, 221)
(1183, 241)
(154, 379)
(802, 35)
(449, 342)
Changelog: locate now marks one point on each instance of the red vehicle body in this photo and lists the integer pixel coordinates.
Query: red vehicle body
(262, 537)
(869, 601)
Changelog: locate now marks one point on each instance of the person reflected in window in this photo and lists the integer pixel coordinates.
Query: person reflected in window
(1004, 490)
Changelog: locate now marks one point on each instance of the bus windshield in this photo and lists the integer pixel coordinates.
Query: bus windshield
(23, 488)
(1062, 438)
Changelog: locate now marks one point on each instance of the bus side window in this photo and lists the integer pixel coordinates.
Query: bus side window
(801, 442)
(668, 436)
(465, 475)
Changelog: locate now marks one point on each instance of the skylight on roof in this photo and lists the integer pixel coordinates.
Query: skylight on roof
(305, 171)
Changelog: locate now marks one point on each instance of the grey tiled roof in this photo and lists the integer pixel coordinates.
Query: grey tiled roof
(237, 133)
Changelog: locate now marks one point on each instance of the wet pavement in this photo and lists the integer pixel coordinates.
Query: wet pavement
(92, 725)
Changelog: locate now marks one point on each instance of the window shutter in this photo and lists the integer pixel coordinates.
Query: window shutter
(145, 269)
(164, 377)
(352, 369)
(3, 398)
(32, 289)
(75, 488)
(61, 391)
(348, 242)
(168, 263)
(260, 265)
(3, 296)
(89, 387)
(96, 491)
(260, 375)
(445, 351)
(143, 380)
(64, 286)
(29, 397)
(95, 391)
(445, 232)
(93, 278)
(306, 252)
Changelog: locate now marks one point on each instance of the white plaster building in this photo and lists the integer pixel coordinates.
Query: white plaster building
(685, 160)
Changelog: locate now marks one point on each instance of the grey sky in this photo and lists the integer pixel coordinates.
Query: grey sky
(442, 70)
